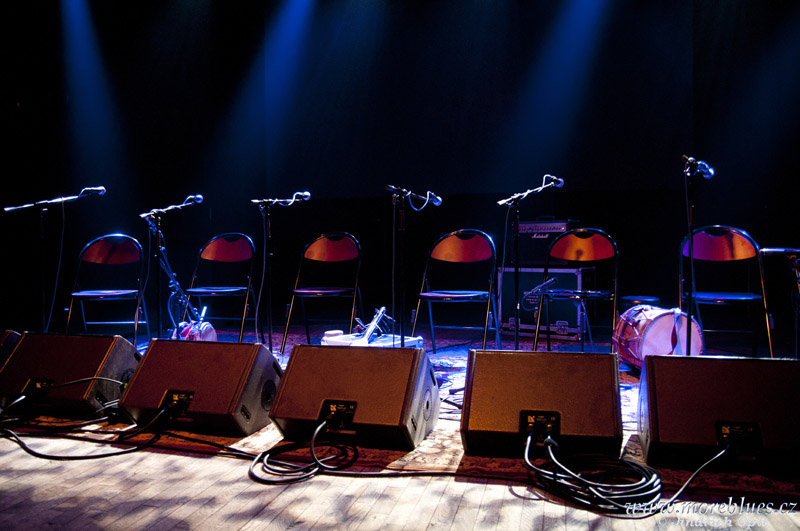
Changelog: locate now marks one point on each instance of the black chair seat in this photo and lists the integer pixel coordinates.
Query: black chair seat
(455, 295)
(219, 290)
(322, 292)
(725, 297)
(107, 294)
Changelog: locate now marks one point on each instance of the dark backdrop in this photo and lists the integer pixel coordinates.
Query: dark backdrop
(474, 100)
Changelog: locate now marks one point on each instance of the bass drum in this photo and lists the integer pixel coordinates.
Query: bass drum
(645, 330)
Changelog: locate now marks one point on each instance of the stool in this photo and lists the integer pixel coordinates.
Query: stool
(635, 300)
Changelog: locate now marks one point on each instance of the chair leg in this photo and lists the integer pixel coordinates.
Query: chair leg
(356, 297)
(83, 316)
(305, 319)
(547, 323)
(496, 325)
(414, 320)
(585, 330)
(538, 322)
(146, 319)
(433, 336)
(244, 315)
(69, 314)
(486, 322)
(769, 330)
(288, 320)
(135, 323)
(491, 315)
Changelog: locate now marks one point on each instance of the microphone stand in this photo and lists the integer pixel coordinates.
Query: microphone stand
(399, 196)
(85, 192)
(153, 219)
(264, 206)
(513, 202)
(689, 171)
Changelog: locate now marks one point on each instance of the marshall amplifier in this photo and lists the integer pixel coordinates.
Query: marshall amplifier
(534, 240)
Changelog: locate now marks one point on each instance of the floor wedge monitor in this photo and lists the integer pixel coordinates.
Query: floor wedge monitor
(66, 375)
(692, 407)
(380, 397)
(571, 397)
(204, 386)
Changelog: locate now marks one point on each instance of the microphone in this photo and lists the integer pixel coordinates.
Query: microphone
(704, 169)
(99, 190)
(434, 199)
(557, 181)
(550, 281)
(193, 199)
(698, 167)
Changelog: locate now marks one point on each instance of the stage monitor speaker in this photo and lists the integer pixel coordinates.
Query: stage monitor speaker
(384, 397)
(205, 386)
(573, 397)
(691, 407)
(40, 362)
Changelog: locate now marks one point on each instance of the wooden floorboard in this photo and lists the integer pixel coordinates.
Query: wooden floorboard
(162, 490)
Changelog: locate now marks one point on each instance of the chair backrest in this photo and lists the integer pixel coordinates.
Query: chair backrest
(112, 249)
(333, 247)
(229, 247)
(589, 247)
(719, 243)
(583, 245)
(112, 261)
(463, 246)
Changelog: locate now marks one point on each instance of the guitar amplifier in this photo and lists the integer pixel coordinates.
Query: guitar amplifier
(534, 240)
(564, 314)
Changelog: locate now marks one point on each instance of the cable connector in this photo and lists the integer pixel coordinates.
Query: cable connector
(542, 424)
(338, 414)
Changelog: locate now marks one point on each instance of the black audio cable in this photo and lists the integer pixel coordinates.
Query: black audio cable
(604, 484)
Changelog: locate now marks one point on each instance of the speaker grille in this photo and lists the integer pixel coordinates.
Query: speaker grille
(394, 390)
(686, 402)
(583, 389)
(230, 385)
(50, 360)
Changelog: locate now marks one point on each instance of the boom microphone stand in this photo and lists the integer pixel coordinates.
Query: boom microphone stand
(42, 205)
(399, 196)
(264, 208)
(548, 181)
(153, 219)
(692, 169)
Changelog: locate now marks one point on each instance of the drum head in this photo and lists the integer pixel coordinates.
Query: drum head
(666, 335)
(645, 330)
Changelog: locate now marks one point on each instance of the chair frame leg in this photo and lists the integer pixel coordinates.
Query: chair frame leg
(305, 319)
(286, 329)
(433, 335)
